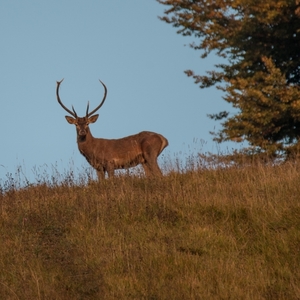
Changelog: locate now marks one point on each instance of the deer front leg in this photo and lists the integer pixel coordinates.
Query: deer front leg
(110, 170)
(101, 175)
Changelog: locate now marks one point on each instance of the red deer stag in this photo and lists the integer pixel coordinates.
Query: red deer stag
(108, 155)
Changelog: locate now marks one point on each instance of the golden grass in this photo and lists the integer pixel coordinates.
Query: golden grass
(209, 234)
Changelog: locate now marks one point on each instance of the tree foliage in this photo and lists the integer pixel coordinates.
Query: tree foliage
(259, 41)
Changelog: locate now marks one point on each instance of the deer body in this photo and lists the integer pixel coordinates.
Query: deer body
(107, 155)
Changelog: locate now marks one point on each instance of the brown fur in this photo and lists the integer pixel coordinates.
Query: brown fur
(108, 155)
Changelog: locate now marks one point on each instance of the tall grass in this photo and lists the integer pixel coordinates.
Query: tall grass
(206, 233)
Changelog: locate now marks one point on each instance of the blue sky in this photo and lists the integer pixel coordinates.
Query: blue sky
(140, 59)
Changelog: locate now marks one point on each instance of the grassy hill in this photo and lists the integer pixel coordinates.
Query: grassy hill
(230, 233)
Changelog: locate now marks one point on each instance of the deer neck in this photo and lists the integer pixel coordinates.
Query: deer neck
(86, 147)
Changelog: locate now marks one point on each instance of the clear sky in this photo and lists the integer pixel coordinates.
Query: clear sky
(140, 59)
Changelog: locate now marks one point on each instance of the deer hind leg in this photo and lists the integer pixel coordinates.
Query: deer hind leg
(151, 168)
(147, 170)
(150, 165)
(151, 150)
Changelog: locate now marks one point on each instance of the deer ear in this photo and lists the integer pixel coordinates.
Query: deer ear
(93, 118)
(70, 119)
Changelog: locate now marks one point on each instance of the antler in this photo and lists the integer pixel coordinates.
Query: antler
(104, 97)
(59, 101)
(87, 109)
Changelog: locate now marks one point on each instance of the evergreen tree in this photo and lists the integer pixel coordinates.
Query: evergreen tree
(260, 43)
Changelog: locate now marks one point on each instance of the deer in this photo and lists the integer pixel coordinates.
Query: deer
(108, 155)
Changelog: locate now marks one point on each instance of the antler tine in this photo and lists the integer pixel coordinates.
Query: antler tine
(59, 101)
(87, 109)
(74, 111)
(104, 97)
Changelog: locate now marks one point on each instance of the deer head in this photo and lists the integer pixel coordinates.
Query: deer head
(82, 124)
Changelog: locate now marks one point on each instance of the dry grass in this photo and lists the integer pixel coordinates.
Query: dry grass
(209, 234)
